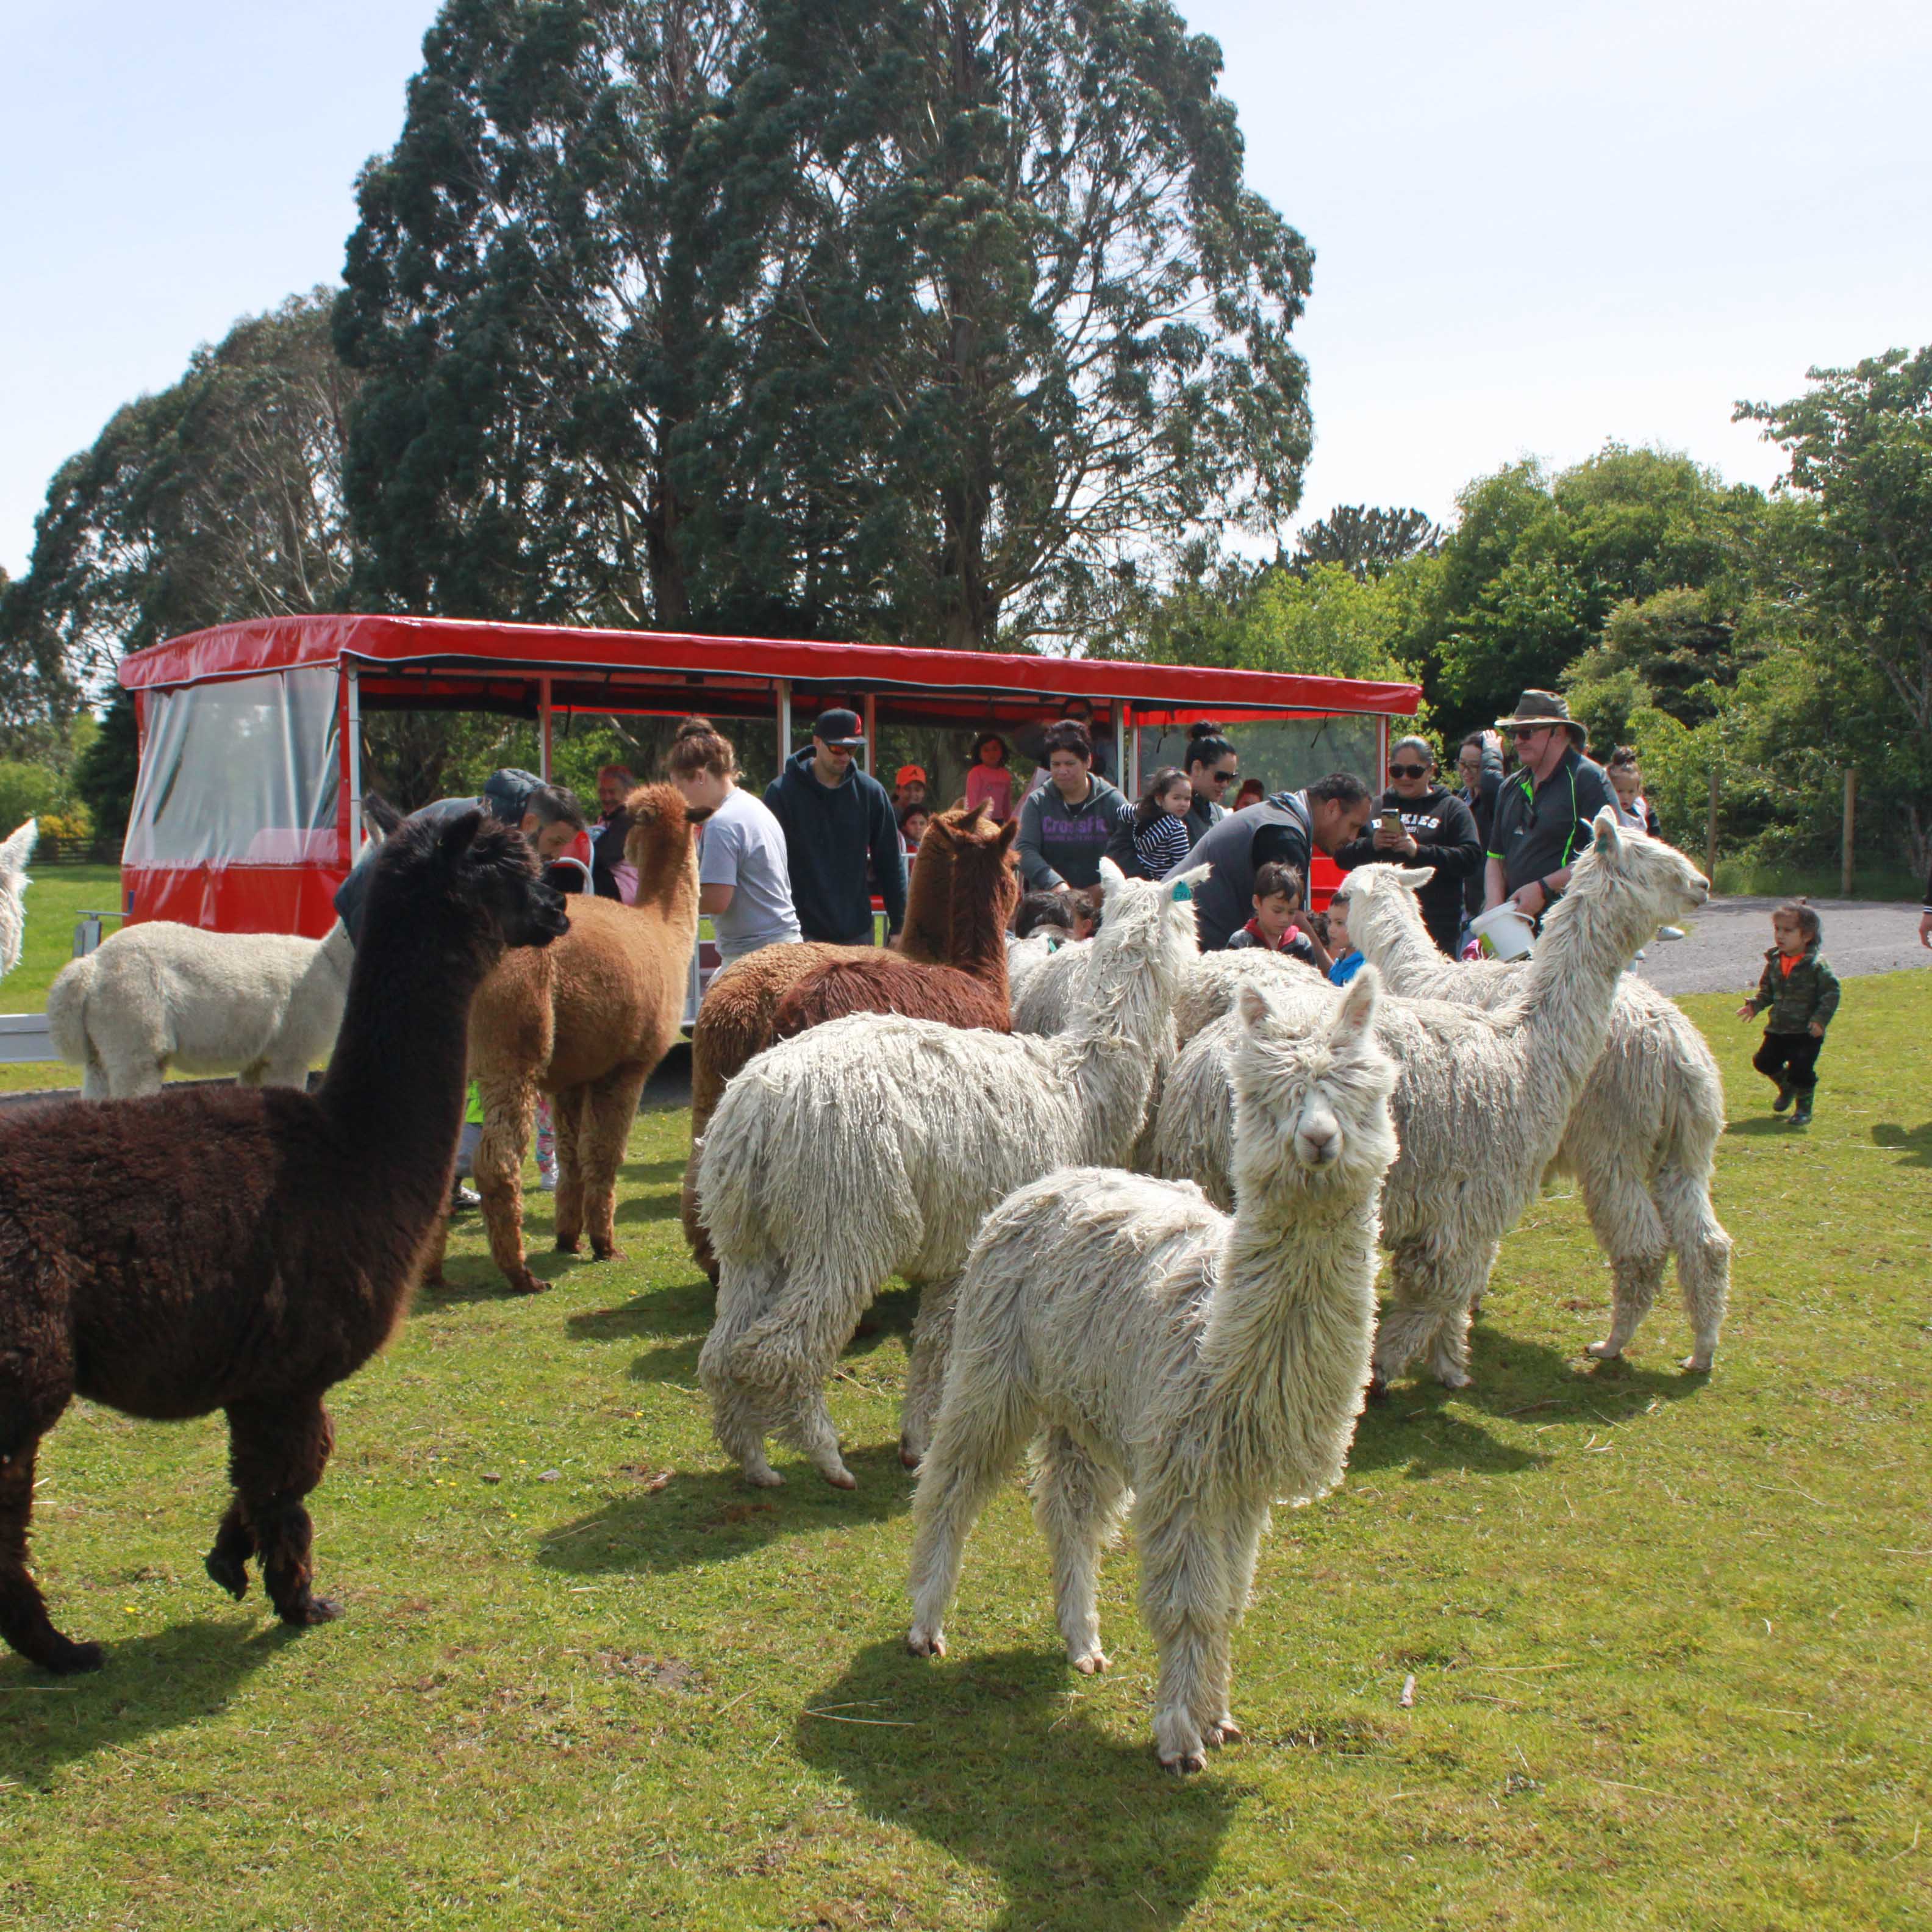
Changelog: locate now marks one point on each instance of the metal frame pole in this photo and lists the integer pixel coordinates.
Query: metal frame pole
(544, 717)
(1132, 781)
(352, 758)
(871, 733)
(784, 724)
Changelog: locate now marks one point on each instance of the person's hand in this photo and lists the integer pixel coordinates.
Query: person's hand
(1816, 1030)
(1531, 899)
(1493, 741)
(1925, 927)
(1407, 846)
(1386, 841)
(1747, 1011)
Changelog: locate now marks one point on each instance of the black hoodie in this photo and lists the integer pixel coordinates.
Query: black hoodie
(1444, 831)
(831, 831)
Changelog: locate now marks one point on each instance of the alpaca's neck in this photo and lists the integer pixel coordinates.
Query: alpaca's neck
(1117, 1031)
(1394, 946)
(927, 934)
(669, 893)
(1287, 1322)
(977, 943)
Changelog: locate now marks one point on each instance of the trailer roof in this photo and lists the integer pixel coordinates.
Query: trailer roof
(444, 661)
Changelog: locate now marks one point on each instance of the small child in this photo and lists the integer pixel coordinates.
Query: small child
(1275, 925)
(989, 783)
(1160, 823)
(1252, 792)
(1626, 779)
(1802, 992)
(1348, 958)
(914, 819)
(1042, 912)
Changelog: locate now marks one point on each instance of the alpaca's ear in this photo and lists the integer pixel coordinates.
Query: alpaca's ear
(1355, 1017)
(18, 849)
(1605, 830)
(1252, 1004)
(460, 834)
(1111, 877)
(971, 821)
(1009, 832)
(1181, 886)
(379, 817)
(1415, 877)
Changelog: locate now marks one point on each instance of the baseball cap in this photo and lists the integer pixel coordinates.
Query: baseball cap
(838, 727)
(910, 775)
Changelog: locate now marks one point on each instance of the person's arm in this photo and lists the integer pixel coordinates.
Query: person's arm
(889, 864)
(1458, 853)
(1493, 882)
(1120, 846)
(1362, 851)
(712, 900)
(1826, 1003)
(1762, 998)
(1039, 876)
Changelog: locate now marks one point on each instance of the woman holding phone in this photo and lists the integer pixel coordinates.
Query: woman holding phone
(1418, 822)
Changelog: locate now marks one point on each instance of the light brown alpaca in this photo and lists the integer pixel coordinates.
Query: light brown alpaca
(739, 1017)
(587, 1028)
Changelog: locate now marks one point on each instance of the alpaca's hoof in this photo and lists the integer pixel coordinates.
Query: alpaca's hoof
(1453, 1378)
(925, 1642)
(524, 1282)
(840, 1478)
(311, 1610)
(1184, 1765)
(230, 1573)
(762, 1476)
(1378, 1390)
(1227, 1732)
(69, 1660)
(607, 1251)
(910, 1457)
(1092, 1664)
(564, 1247)
(1602, 1351)
(1696, 1365)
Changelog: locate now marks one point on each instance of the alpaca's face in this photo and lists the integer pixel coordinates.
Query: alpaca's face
(1380, 901)
(1149, 916)
(498, 874)
(1635, 862)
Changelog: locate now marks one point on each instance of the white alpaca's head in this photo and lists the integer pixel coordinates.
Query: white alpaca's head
(1312, 1101)
(1623, 872)
(14, 854)
(1151, 920)
(1383, 908)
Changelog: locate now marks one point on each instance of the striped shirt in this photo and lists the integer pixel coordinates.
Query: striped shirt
(1161, 845)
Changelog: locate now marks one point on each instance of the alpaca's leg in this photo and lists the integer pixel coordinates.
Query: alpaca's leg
(498, 1165)
(567, 1113)
(806, 1420)
(1703, 1252)
(24, 1625)
(741, 1412)
(1629, 1231)
(982, 1427)
(695, 1238)
(94, 1081)
(277, 1453)
(227, 1562)
(435, 1251)
(1406, 1321)
(1461, 1278)
(1429, 1305)
(1184, 1595)
(1240, 1545)
(1076, 1501)
(609, 1112)
(925, 1366)
(791, 1350)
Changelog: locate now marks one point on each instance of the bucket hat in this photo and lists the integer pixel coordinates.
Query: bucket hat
(1545, 707)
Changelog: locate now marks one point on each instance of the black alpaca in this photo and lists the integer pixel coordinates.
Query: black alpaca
(245, 1249)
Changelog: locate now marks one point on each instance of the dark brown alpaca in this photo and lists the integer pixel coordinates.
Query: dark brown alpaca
(950, 965)
(246, 1248)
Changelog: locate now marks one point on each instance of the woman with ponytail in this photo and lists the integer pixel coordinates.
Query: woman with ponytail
(744, 884)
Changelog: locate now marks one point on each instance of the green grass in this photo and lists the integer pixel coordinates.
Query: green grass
(1669, 1637)
(55, 900)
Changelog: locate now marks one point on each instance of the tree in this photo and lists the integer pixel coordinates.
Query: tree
(1859, 443)
(1367, 541)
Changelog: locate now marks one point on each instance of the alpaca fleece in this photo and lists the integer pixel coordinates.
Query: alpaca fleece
(15, 850)
(161, 998)
(1203, 1364)
(1642, 1138)
(586, 1021)
(962, 893)
(873, 1145)
(246, 1249)
(1483, 1100)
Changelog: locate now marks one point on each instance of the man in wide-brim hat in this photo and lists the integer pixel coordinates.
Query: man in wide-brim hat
(1544, 810)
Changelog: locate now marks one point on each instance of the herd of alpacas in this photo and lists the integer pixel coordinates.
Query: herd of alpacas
(1143, 1193)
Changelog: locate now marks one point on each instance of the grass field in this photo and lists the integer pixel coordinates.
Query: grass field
(1669, 1637)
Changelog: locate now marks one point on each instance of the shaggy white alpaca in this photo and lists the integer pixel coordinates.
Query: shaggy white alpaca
(1025, 957)
(158, 997)
(1205, 1364)
(1642, 1138)
(14, 854)
(1483, 1100)
(874, 1145)
(1044, 994)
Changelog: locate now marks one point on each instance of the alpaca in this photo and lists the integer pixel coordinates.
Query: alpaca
(161, 998)
(961, 894)
(15, 850)
(871, 1146)
(586, 1021)
(1643, 1138)
(1483, 1100)
(1202, 1363)
(245, 1249)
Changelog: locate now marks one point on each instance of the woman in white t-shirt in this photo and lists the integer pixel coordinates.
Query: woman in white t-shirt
(744, 882)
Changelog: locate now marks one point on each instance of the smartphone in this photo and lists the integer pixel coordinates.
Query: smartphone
(1392, 823)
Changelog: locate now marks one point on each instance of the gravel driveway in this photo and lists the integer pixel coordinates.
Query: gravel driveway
(1724, 951)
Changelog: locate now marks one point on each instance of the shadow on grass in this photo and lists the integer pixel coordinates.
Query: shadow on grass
(1761, 1126)
(688, 1311)
(684, 1310)
(984, 1757)
(1915, 1143)
(148, 1684)
(713, 1517)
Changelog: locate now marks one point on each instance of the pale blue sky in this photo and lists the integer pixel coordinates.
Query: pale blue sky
(1537, 226)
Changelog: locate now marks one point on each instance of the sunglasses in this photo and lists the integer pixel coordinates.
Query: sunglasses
(1409, 771)
(1519, 732)
(1223, 778)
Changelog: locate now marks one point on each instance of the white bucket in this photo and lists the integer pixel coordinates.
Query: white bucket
(1506, 934)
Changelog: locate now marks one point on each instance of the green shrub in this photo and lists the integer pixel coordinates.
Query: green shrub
(26, 791)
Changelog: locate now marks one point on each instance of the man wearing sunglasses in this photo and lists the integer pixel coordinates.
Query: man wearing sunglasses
(1544, 813)
(1418, 822)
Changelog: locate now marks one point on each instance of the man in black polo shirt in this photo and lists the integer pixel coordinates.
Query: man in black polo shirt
(1543, 813)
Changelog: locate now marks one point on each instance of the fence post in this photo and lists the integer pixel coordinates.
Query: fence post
(1710, 835)
(1851, 813)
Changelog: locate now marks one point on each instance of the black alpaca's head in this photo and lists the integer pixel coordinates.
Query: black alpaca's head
(484, 872)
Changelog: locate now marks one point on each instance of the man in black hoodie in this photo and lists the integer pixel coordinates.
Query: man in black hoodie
(1423, 823)
(836, 817)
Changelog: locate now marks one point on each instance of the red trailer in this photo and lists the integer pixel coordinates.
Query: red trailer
(246, 811)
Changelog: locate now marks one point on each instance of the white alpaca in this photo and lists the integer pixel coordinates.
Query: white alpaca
(1206, 1364)
(874, 1145)
(1044, 993)
(160, 997)
(1025, 957)
(17, 849)
(1483, 1100)
(1642, 1138)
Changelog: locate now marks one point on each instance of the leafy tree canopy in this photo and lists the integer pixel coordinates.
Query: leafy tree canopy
(1367, 541)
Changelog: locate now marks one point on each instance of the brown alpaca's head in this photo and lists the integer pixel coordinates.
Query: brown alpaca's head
(659, 843)
(973, 884)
